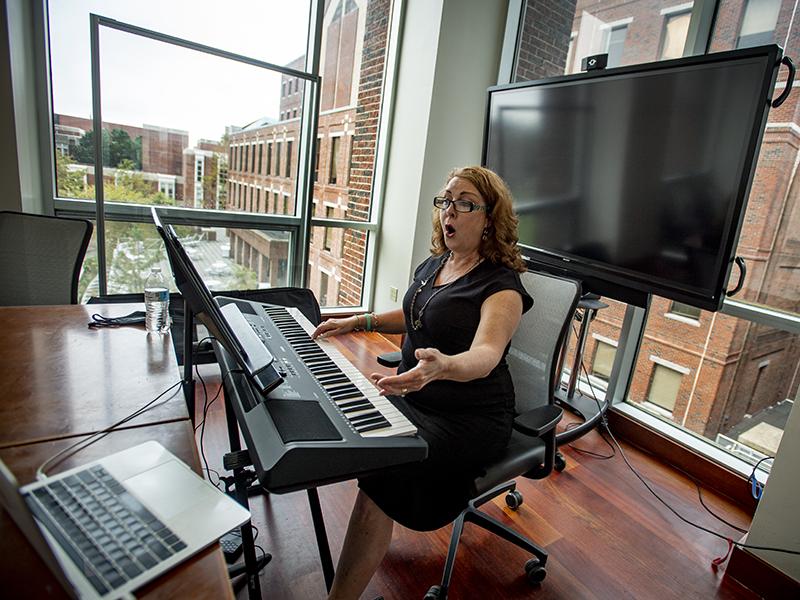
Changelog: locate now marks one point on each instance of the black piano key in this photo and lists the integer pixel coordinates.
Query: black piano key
(365, 417)
(345, 393)
(348, 396)
(349, 403)
(366, 404)
(379, 420)
(373, 427)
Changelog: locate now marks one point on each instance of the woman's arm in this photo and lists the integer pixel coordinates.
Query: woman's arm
(500, 316)
(391, 321)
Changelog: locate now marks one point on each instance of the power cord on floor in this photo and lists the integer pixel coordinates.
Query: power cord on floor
(731, 543)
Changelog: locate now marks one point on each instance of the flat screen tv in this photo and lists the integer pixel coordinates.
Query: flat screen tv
(635, 178)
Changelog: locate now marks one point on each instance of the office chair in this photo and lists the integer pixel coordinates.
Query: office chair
(41, 258)
(532, 360)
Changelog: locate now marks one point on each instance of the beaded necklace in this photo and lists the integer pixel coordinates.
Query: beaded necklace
(416, 324)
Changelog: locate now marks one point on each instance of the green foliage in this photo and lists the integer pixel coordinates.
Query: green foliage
(118, 147)
(243, 278)
(123, 149)
(83, 151)
(69, 183)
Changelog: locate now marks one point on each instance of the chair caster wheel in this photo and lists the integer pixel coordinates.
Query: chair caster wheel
(434, 593)
(560, 463)
(534, 571)
(513, 499)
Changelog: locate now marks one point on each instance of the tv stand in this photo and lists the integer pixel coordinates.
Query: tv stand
(567, 396)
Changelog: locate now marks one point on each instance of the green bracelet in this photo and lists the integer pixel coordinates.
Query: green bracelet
(368, 319)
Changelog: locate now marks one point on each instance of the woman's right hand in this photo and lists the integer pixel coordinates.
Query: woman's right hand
(333, 327)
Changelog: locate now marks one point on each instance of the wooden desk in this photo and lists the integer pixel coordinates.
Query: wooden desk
(63, 381)
(60, 378)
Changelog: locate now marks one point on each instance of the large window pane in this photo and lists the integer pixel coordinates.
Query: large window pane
(555, 40)
(722, 378)
(769, 240)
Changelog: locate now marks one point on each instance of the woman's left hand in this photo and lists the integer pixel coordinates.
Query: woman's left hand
(432, 365)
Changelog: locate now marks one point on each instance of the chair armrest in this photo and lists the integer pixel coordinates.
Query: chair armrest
(538, 421)
(390, 359)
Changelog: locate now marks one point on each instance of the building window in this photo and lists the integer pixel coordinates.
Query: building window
(258, 199)
(246, 157)
(758, 23)
(326, 240)
(676, 27)
(269, 158)
(616, 44)
(323, 288)
(253, 165)
(260, 157)
(275, 203)
(603, 360)
(167, 188)
(289, 158)
(685, 310)
(664, 386)
(278, 159)
(332, 171)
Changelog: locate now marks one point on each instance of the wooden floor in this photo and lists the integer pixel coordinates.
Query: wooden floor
(607, 536)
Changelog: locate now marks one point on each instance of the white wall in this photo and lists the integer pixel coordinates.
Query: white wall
(449, 55)
(776, 523)
(25, 122)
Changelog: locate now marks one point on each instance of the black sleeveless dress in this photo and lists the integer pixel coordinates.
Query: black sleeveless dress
(466, 424)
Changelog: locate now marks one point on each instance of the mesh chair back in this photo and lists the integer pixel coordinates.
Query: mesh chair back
(41, 258)
(534, 351)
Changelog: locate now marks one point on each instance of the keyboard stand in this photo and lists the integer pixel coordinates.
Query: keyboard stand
(239, 459)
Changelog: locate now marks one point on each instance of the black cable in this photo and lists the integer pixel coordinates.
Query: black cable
(604, 424)
(95, 437)
(684, 519)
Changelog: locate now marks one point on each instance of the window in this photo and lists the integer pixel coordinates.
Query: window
(685, 310)
(253, 166)
(246, 157)
(332, 169)
(603, 360)
(326, 243)
(676, 27)
(758, 23)
(616, 44)
(323, 288)
(275, 207)
(278, 158)
(269, 158)
(664, 386)
(260, 157)
(289, 158)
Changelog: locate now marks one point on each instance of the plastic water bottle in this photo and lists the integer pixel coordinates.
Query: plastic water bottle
(156, 302)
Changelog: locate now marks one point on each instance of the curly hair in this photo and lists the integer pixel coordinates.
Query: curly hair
(499, 245)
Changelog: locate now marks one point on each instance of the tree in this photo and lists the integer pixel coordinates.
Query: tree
(123, 148)
(68, 183)
(83, 151)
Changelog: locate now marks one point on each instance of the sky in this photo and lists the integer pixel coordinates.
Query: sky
(149, 82)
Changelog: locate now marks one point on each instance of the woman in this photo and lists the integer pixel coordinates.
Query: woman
(458, 316)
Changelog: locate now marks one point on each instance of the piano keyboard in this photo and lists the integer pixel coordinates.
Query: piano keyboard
(358, 401)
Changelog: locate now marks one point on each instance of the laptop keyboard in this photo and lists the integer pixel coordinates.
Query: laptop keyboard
(107, 532)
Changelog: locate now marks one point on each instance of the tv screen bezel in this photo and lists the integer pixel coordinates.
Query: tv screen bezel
(630, 286)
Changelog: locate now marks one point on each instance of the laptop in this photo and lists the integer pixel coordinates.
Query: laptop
(110, 526)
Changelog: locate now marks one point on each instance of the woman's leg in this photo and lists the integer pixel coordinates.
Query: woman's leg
(365, 543)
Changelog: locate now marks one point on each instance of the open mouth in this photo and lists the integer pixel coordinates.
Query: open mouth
(449, 230)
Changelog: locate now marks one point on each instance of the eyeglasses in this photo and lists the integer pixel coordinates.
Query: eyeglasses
(462, 206)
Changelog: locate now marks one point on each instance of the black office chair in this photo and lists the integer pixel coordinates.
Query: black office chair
(41, 258)
(532, 359)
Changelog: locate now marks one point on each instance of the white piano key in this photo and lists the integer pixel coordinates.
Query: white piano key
(398, 422)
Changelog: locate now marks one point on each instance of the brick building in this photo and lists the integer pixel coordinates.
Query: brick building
(205, 173)
(162, 150)
(707, 371)
(263, 156)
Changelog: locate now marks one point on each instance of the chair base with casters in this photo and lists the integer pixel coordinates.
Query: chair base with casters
(523, 452)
